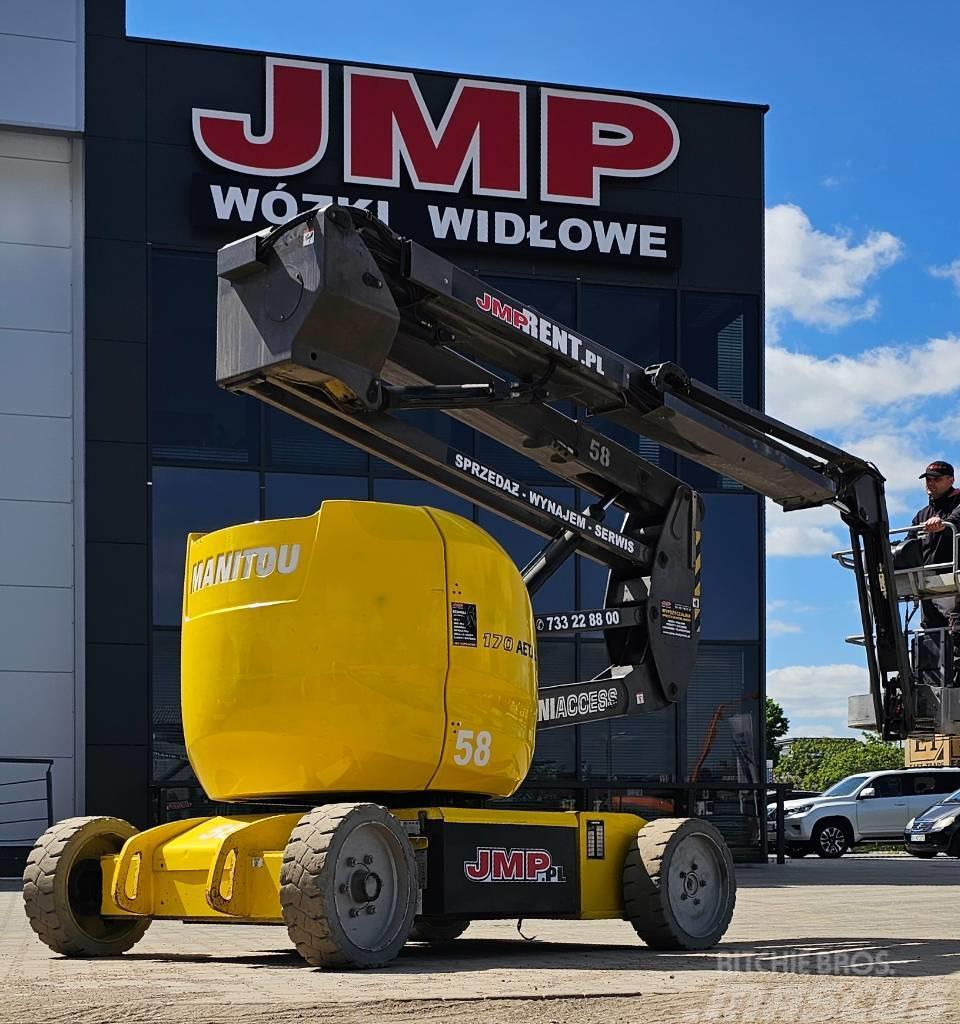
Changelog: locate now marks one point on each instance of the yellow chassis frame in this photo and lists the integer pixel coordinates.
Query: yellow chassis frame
(227, 869)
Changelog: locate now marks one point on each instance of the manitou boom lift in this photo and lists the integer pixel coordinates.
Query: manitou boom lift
(336, 319)
(378, 662)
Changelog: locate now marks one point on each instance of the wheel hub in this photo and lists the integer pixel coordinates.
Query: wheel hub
(367, 893)
(365, 886)
(697, 887)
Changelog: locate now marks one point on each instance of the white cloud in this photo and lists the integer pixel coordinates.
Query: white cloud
(817, 278)
(805, 533)
(830, 181)
(777, 627)
(839, 392)
(782, 604)
(801, 541)
(950, 271)
(814, 697)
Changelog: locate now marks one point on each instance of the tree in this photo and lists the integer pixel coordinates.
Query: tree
(819, 763)
(777, 726)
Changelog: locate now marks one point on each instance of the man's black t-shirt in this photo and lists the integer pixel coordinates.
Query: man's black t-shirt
(938, 547)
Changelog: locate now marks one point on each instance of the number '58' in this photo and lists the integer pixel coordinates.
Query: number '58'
(469, 751)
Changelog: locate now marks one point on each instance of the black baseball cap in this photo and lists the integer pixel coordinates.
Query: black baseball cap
(937, 469)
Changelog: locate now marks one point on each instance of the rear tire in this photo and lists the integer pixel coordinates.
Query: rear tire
(348, 886)
(63, 887)
(438, 931)
(679, 886)
(831, 838)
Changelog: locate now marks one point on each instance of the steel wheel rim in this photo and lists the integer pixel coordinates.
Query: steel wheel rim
(698, 884)
(368, 886)
(832, 839)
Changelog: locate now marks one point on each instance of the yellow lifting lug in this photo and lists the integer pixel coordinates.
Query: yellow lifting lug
(132, 887)
(239, 853)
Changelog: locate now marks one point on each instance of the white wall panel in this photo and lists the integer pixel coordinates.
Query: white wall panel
(35, 287)
(34, 202)
(36, 629)
(35, 791)
(39, 84)
(48, 19)
(36, 460)
(34, 147)
(37, 374)
(36, 545)
(37, 718)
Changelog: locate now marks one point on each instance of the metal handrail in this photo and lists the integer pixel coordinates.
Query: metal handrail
(46, 779)
(845, 558)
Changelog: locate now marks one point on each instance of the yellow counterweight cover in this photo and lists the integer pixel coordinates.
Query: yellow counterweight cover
(369, 647)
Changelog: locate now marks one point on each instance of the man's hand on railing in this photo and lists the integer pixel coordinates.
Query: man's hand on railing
(933, 525)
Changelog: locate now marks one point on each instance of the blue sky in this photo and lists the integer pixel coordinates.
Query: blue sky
(862, 152)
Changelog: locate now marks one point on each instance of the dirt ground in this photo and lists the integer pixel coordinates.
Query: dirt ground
(862, 939)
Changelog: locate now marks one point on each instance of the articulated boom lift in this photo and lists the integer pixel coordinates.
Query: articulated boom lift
(378, 662)
(336, 319)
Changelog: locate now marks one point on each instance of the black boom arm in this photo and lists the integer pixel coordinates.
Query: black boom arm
(337, 320)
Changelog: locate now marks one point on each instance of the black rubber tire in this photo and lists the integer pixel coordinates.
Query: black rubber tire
(647, 897)
(62, 884)
(798, 850)
(922, 854)
(819, 839)
(308, 886)
(437, 930)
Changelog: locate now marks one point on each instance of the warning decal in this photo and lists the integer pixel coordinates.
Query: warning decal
(676, 619)
(595, 844)
(464, 624)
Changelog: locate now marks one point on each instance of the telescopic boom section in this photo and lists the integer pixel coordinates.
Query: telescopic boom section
(334, 318)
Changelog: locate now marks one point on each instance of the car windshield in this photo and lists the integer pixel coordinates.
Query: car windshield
(846, 786)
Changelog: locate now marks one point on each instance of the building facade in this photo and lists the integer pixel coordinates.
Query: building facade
(635, 220)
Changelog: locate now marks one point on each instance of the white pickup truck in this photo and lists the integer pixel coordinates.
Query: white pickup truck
(872, 807)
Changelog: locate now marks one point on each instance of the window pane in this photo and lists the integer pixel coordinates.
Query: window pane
(719, 345)
(293, 443)
(555, 753)
(521, 544)
(723, 723)
(558, 299)
(639, 323)
(300, 494)
(191, 419)
(594, 736)
(419, 492)
(731, 567)
(645, 746)
(192, 501)
(170, 763)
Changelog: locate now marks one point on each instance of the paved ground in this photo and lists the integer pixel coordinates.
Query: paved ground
(863, 939)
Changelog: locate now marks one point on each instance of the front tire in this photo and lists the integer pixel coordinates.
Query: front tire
(679, 886)
(63, 887)
(348, 886)
(831, 838)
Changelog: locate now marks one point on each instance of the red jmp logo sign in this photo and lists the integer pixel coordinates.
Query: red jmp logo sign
(584, 137)
(495, 864)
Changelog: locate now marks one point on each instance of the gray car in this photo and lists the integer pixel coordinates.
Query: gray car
(863, 808)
